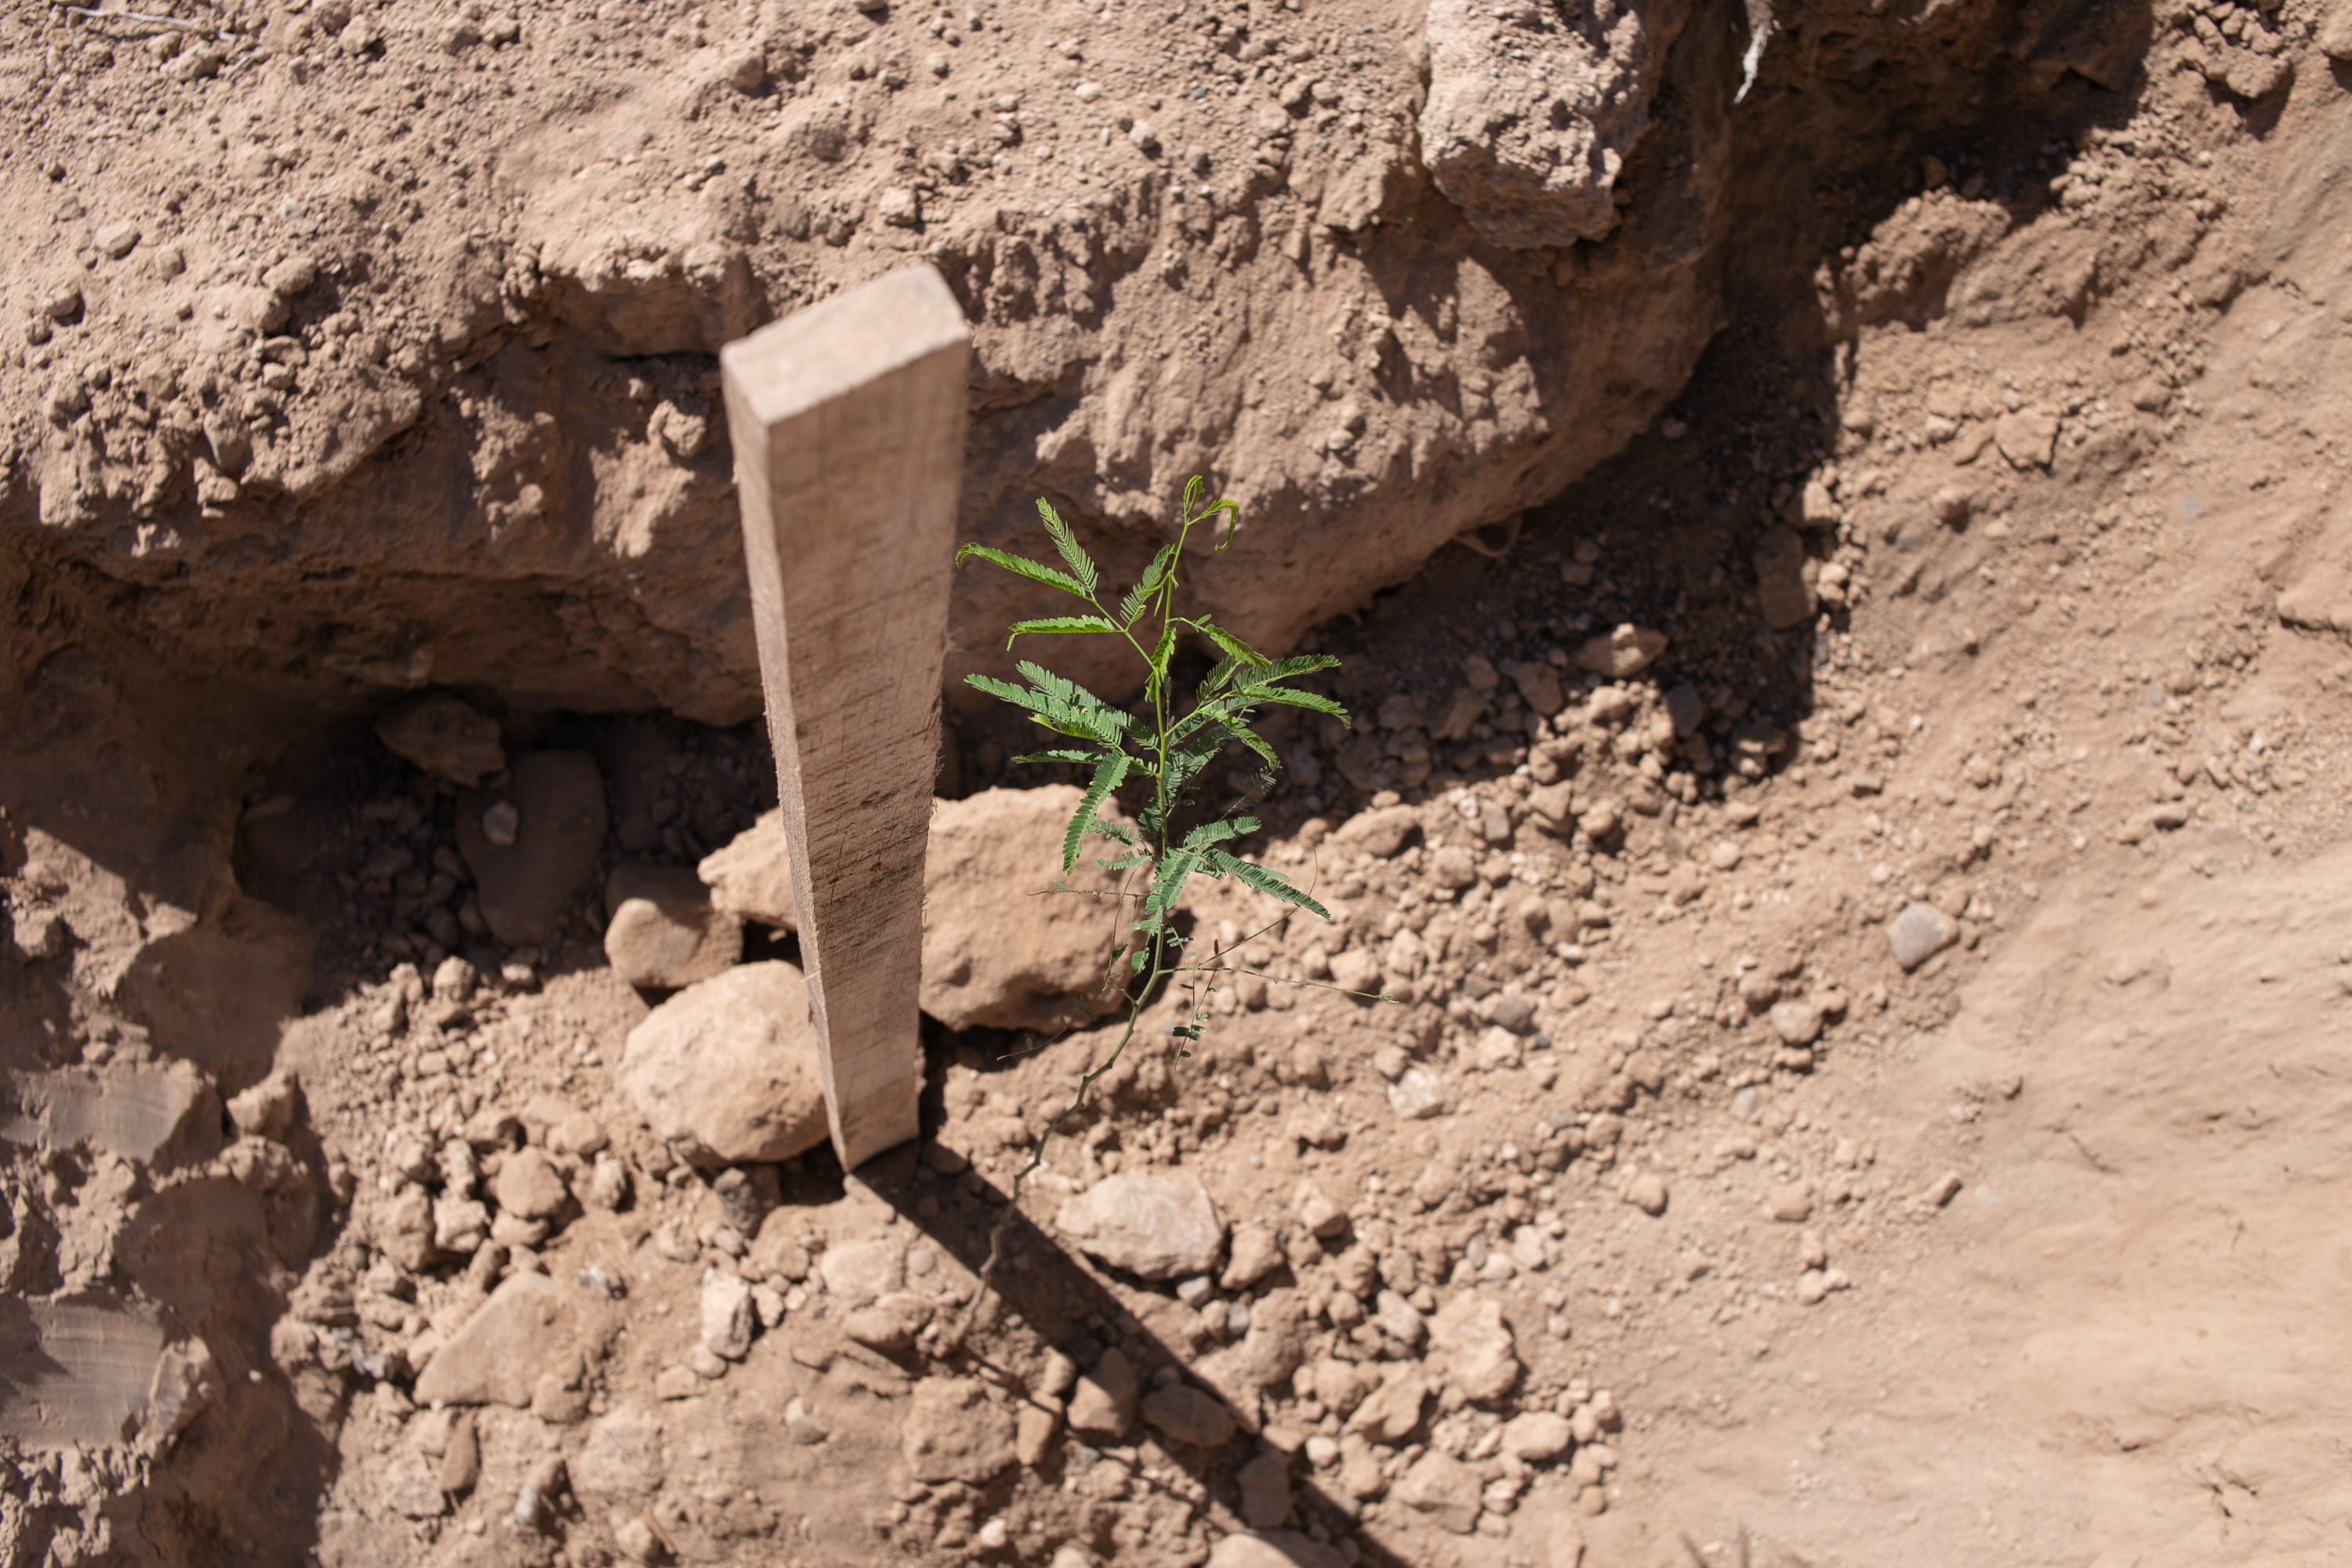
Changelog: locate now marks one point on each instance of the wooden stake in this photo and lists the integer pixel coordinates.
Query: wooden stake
(848, 424)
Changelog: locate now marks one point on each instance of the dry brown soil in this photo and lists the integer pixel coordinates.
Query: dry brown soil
(1989, 496)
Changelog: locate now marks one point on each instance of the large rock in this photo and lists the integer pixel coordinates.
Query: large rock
(751, 875)
(955, 1432)
(1158, 1224)
(1002, 946)
(533, 846)
(1534, 109)
(727, 1071)
(497, 1355)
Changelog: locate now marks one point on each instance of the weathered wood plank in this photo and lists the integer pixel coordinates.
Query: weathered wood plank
(848, 425)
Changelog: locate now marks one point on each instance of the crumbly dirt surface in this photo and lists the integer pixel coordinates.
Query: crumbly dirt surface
(366, 347)
(1985, 588)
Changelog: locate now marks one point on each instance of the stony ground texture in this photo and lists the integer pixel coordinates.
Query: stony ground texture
(1856, 881)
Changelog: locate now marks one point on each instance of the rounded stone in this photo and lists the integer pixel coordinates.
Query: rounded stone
(726, 1070)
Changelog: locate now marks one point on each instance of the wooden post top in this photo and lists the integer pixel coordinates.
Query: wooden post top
(837, 345)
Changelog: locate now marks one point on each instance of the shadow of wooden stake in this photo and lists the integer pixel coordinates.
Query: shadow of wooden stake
(1054, 1295)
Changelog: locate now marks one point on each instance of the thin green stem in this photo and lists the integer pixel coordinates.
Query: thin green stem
(1138, 1001)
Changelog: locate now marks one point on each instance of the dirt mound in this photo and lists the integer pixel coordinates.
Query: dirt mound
(1856, 874)
(372, 348)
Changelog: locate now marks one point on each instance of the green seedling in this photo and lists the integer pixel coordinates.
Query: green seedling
(1160, 754)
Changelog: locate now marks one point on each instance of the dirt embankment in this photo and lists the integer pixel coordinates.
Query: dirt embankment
(368, 348)
(1855, 870)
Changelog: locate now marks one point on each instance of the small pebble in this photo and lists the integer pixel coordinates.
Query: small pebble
(1797, 1023)
(501, 822)
(802, 1428)
(1919, 933)
(1319, 1214)
(1647, 1191)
